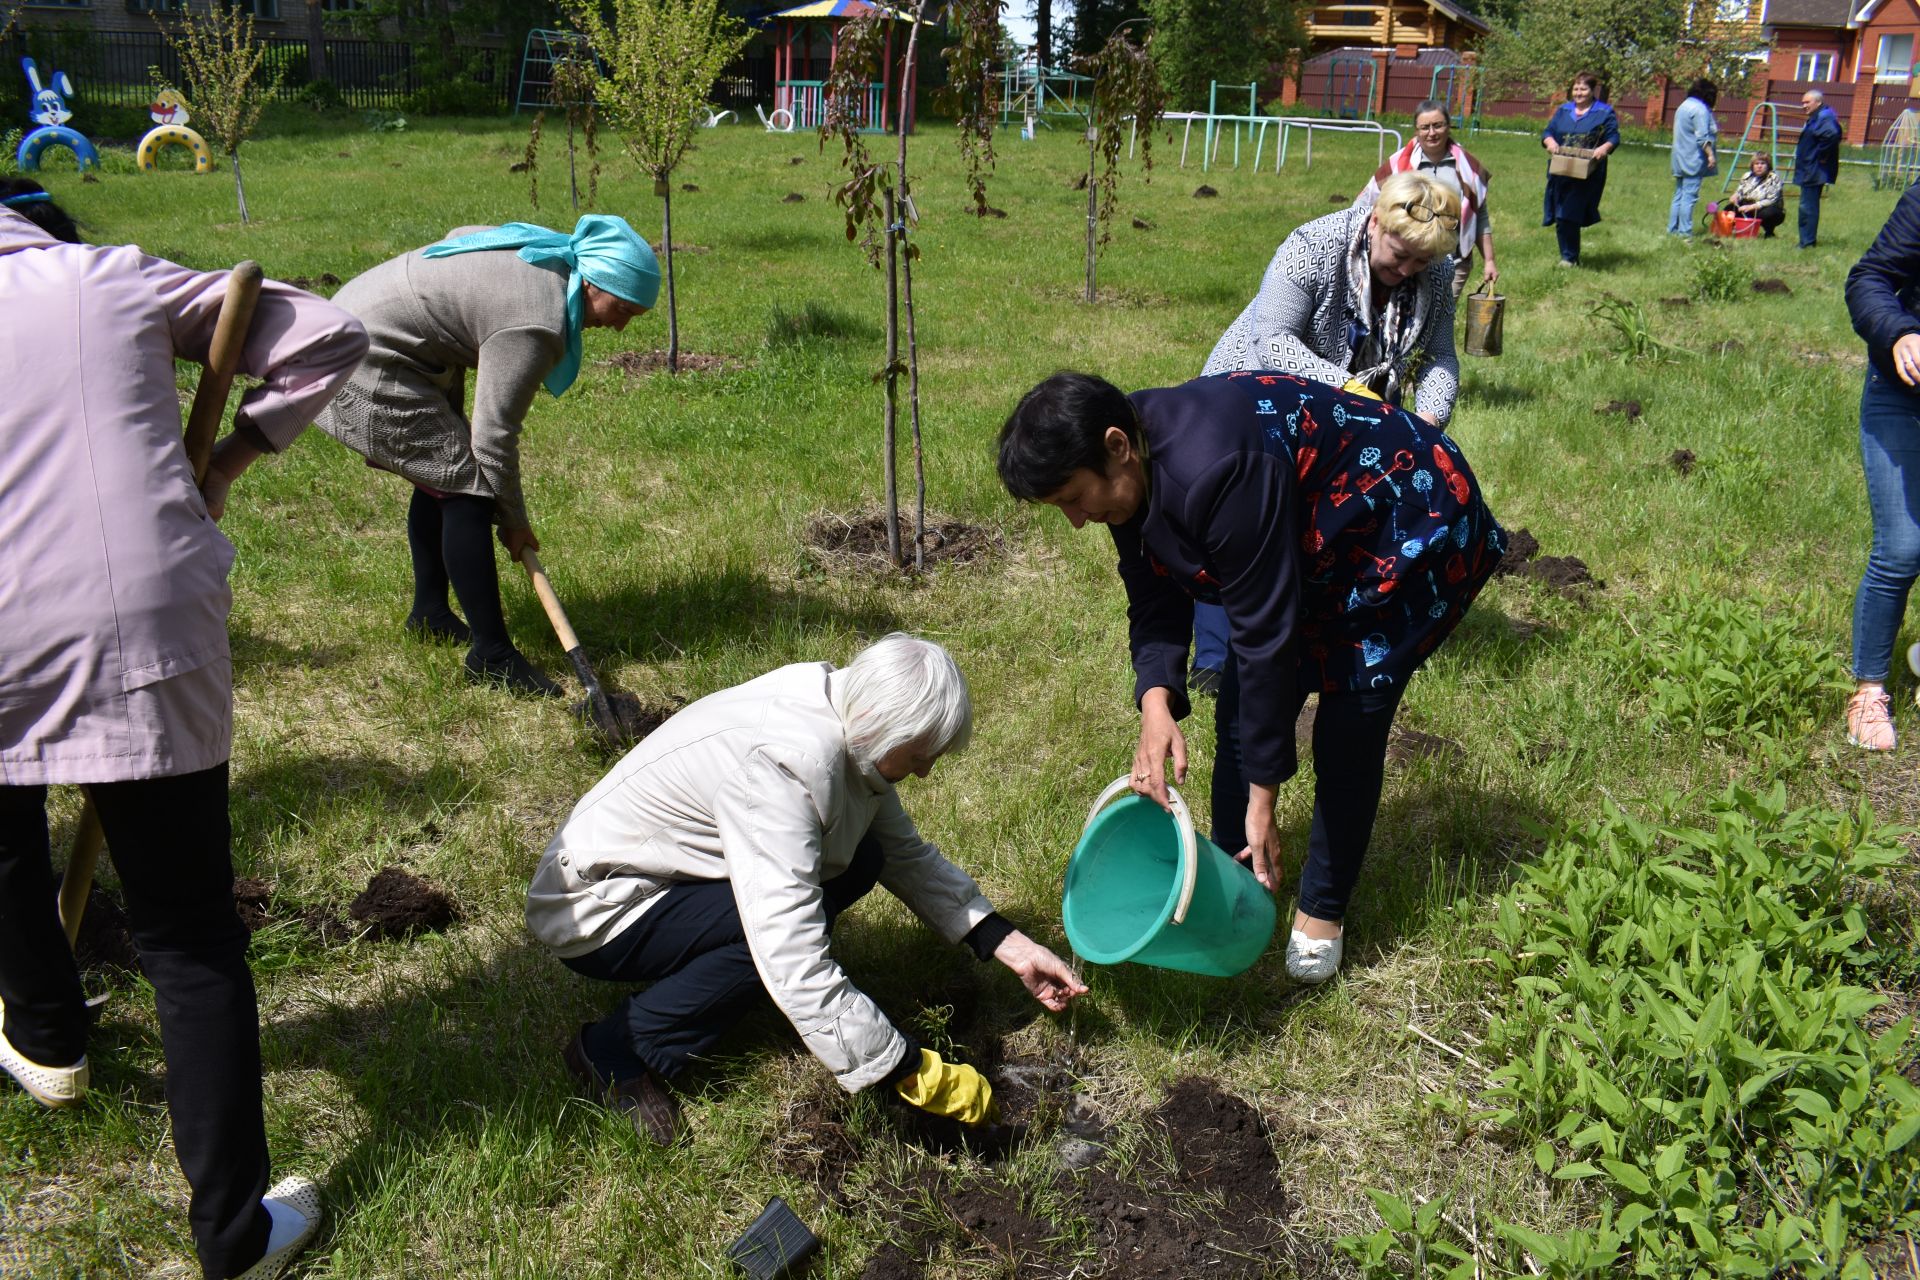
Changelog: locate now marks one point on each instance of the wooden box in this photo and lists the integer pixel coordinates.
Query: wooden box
(1571, 162)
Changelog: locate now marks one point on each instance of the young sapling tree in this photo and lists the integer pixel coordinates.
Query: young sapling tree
(1126, 83)
(661, 59)
(220, 62)
(570, 91)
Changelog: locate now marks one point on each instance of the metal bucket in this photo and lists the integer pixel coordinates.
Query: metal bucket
(1485, 311)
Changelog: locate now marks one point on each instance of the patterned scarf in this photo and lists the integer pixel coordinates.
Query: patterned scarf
(1402, 319)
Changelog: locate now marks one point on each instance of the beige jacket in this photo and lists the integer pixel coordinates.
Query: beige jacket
(753, 785)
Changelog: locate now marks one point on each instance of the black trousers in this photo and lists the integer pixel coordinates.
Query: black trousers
(692, 946)
(1350, 732)
(169, 839)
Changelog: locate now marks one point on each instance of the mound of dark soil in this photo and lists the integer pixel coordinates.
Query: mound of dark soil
(633, 719)
(399, 904)
(1220, 1145)
(639, 363)
(1337, 198)
(518, 166)
(312, 284)
(796, 160)
(793, 197)
(1141, 224)
(1404, 746)
(1683, 461)
(862, 540)
(105, 941)
(1567, 575)
(1771, 285)
(1629, 409)
(250, 897)
(1204, 192)
(815, 1145)
(987, 211)
(1078, 184)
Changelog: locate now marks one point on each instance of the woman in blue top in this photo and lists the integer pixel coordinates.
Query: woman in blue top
(1345, 539)
(1573, 203)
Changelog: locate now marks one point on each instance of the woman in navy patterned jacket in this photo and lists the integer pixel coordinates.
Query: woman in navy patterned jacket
(1345, 539)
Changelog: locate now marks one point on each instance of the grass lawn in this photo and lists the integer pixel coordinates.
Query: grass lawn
(422, 1081)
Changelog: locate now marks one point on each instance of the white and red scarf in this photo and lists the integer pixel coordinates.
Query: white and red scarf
(1473, 185)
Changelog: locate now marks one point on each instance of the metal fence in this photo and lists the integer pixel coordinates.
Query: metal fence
(113, 68)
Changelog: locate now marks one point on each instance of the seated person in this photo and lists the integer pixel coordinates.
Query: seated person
(1760, 195)
(715, 858)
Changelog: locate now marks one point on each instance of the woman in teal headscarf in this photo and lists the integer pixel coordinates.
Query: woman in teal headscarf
(508, 303)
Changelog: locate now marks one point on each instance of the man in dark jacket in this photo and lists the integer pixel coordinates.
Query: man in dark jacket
(1816, 161)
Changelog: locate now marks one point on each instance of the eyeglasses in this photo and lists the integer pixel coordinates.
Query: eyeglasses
(1421, 213)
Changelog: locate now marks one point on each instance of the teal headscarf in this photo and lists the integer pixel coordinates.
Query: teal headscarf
(603, 250)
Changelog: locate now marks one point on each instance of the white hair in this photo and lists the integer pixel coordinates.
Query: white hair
(1817, 96)
(903, 691)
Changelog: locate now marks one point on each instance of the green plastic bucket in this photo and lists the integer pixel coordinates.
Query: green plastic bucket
(1141, 886)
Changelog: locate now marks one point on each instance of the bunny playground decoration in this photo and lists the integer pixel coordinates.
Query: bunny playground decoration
(169, 112)
(50, 113)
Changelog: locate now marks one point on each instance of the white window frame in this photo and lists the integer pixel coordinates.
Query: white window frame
(1809, 65)
(1883, 74)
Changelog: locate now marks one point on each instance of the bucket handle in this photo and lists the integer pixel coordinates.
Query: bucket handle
(1189, 844)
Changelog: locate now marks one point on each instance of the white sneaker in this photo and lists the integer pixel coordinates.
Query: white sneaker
(53, 1086)
(1312, 960)
(1913, 658)
(294, 1205)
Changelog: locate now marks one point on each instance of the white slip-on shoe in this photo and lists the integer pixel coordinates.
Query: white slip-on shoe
(294, 1205)
(1913, 658)
(52, 1086)
(1312, 960)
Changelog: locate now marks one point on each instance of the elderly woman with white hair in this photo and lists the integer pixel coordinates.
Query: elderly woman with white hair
(715, 858)
(1362, 299)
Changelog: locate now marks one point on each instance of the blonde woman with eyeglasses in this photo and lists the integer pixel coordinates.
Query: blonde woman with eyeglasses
(1362, 299)
(1434, 154)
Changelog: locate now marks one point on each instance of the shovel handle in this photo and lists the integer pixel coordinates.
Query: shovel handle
(223, 362)
(1189, 842)
(77, 881)
(542, 587)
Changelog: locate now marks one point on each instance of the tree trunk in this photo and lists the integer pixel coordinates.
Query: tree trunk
(316, 44)
(1093, 208)
(1043, 31)
(664, 189)
(893, 382)
(239, 187)
(906, 272)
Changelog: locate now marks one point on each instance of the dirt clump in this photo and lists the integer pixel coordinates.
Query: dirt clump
(984, 211)
(1141, 224)
(250, 897)
(1628, 409)
(1683, 461)
(1220, 1145)
(1771, 284)
(640, 363)
(1567, 575)
(1404, 746)
(1677, 301)
(1078, 184)
(893, 1263)
(861, 539)
(312, 284)
(398, 904)
(518, 166)
(793, 197)
(1337, 198)
(814, 1144)
(690, 189)
(1204, 192)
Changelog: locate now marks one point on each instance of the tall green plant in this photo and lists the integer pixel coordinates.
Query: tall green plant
(661, 59)
(220, 61)
(1127, 93)
(877, 198)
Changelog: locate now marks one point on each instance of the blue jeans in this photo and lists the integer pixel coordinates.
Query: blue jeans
(1350, 733)
(1686, 194)
(1210, 637)
(1890, 455)
(1809, 215)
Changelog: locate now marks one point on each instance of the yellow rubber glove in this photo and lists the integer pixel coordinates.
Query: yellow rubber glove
(1360, 388)
(950, 1089)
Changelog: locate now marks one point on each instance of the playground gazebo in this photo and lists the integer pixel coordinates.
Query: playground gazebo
(800, 65)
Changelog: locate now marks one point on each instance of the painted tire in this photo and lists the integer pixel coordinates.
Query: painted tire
(53, 135)
(173, 135)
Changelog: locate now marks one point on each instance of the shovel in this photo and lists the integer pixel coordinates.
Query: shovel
(617, 718)
(203, 422)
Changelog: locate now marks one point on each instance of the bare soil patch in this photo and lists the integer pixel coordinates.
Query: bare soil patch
(1628, 409)
(1677, 301)
(989, 212)
(860, 540)
(689, 188)
(1567, 575)
(105, 942)
(1337, 198)
(793, 197)
(1404, 746)
(1078, 184)
(1772, 284)
(1683, 461)
(398, 904)
(313, 284)
(1204, 192)
(1141, 224)
(641, 363)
